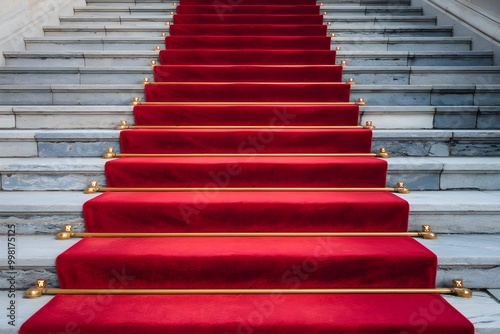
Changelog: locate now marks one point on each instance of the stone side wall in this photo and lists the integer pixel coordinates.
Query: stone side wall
(479, 19)
(25, 18)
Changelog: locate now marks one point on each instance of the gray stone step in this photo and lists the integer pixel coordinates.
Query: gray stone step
(143, 58)
(332, 11)
(482, 310)
(365, 21)
(325, 2)
(349, 44)
(384, 117)
(462, 256)
(419, 173)
(438, 117)
(382, 95)
(449, 212)
(93, 143)
(382, 75)
(401, 30)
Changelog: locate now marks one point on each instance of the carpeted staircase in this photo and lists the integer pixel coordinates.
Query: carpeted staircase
(270, 92)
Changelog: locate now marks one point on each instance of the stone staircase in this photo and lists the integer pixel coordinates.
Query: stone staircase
(435, 102)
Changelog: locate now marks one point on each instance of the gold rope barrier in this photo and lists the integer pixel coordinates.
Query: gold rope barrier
(68, 233)
(110, 154)
(41, 289)
(93, 188)
(124, 126)
(137, 101)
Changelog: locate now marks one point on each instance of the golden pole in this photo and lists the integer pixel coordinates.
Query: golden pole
(40, 289)
(94, 188)
(110, 154)
(68, 233)
(124, 126)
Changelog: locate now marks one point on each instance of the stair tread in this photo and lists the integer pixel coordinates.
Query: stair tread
(452, 250)
(420, 201)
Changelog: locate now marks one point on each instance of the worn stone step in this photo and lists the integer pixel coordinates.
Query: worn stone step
(143, 58)
(365, 21)
(171, 2)
(382, 75)
(419, 173)
(384, 117)
(429, 117)
(332, 11)
(401, 30)
(409, 95)
(455, 212)
(464, 256)
(93, 143)
(124, 43)
(64, 117)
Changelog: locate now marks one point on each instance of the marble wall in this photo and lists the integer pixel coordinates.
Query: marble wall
(25, 18)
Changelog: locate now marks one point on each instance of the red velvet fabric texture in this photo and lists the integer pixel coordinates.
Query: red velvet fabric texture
(246, 172)
(246, 141)
(246, 115)
(247, 19)
(248, 42)
(252, 2)
(221, 9)
(246, 30)
(247, 57)
(235, 314)
(212, 211)
(249, 263)
(247, 73)
(247, 92)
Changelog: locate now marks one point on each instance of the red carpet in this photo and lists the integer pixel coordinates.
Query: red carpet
(250, 73)
(240, 114)
(207, 211)
(265, 65)
(235, 314)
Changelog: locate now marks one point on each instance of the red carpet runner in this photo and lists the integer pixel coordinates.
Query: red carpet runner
(265, 65)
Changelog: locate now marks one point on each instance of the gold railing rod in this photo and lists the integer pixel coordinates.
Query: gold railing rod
(288, 103)
(110, 154)
(124, 126)
(68, 233)
(40, 289)
(94, 188)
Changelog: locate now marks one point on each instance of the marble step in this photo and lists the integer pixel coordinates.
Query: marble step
(363, 21)
(137, 43)
(399, 143)
(482, 310)
(325, 2)
(419, 173)
(143, 58)
(340, 30)
(384, 117)
(475, 258)
(381, 95)
(449, 212)
(373, 75)
(332, 11)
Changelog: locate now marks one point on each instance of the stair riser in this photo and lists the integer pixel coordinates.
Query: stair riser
(375, 96)
(404, 77)
(475, 277)
(95, 147)
(127, 21)
(156, 30)
(135, 60)
(415, 179)
(466, 222)
(346, 45)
